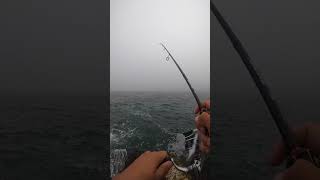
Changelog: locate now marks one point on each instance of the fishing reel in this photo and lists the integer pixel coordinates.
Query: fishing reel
(189, 159)
(184, 153)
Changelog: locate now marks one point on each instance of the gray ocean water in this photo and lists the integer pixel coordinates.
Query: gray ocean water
(146, 120)
(53, 137)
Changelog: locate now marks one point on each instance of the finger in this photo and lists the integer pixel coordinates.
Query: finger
(300, 170)
(158, 157)
(305, 136)
(145, 153)
(205, 104)
(204, 149)
(308, 137)
(163, 170)
(203, 121)
(204, 142)
(205, 139)
(202, 130)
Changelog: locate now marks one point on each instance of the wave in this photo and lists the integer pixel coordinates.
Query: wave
(118, 135)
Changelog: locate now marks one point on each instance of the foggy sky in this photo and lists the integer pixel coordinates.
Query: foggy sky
(282, 37)
(53, 47)
(137, 61)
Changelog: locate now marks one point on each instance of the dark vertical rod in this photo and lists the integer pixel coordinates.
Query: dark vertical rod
(185, 77)
(263, 89)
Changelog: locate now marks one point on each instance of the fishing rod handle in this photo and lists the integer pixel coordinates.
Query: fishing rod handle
(305, 154)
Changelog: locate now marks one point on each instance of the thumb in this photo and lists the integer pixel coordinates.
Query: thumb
(163, 170)
(300, 170)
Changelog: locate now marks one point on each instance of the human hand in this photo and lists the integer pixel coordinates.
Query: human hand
(148, 166)
(307, 136)
(203, 126)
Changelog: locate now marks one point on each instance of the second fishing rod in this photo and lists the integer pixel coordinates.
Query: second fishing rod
(293, 150)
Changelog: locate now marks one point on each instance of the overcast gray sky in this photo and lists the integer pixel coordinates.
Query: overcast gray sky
(137, 61)
(282, 38)
(52, 47)
(282, 41)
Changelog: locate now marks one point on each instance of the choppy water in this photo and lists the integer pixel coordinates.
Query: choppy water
(52, 138)
(147, 120)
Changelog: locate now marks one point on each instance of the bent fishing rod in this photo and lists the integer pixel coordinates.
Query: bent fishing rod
(292, 148)
(184, 76)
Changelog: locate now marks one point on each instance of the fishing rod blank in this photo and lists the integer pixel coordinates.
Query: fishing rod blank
(184, 76)
(274, 109)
